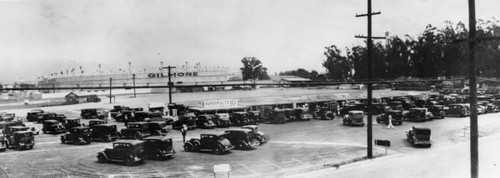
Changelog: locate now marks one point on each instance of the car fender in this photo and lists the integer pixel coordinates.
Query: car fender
(103, 154)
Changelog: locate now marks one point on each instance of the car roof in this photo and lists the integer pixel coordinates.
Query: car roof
(240, 112)
(355, 111)
(133, 142)
(72, 119)
(162, 138)
(420, 128)
(80, 127)
(249, 126)
(238, 130)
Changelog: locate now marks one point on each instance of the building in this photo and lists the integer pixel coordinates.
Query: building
(72, 98)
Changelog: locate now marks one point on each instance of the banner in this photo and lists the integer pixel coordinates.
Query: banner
(219, 103)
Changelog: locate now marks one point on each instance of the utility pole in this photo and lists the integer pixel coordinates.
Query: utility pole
(474, 153)
(369, 42)
(110, 85)
(170, 85)
(133, 81)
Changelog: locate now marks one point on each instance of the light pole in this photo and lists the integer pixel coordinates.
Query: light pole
(133, 81)
(129, 67)
(170, 85)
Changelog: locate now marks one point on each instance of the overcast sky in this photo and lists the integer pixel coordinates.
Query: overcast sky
(53, 36)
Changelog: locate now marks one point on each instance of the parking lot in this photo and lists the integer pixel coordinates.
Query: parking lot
(294, 148)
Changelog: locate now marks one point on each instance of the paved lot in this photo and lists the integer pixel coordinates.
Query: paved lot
(295, 147)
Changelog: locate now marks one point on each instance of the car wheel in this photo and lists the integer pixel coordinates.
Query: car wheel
(138, 135)
(256, 141)
(129, 161)
(63, 140)
(101, 158)
(188, 147)
(217, 150)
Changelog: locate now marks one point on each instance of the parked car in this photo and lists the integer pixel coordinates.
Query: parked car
(255, 116)
(188, 119)
(437, 111)
(21, 140)
(460, 110)
(397, 117)
(222, 120)
(205, 121)
(418, 115)
(354, 117)
(123, 115)
(261, 136)
(77, 135)
(53, 127)
(325, 114)
(218, 144)
(34, 115)
(141, 116)
(104, 132)
(93, 122)
(239, 118)
(160, 127)
(128, 152)
(289, 114)
(139, 130)
(10, 130)
(395, 105)
(242, 138)
(277, 116)
(3, 143)
(52, 116)
(302, 114)
(4, 116)
(92, 113)
(419, 136)
(71, 122)
(5, 125)
(158, 147)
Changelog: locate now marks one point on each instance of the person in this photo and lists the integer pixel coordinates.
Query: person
(184, 131)
(390, 126)
(109, 115)
(126, 119)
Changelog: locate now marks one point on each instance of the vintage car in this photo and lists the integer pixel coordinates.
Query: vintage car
(124, 115)
(239, 118)
(395, 105)
(92, 113)
(460, 110)
(418, 115)
(139, 130)
(104, 132)
(7, 116)
(218, 144)
(161, 128)
(277, 116)
(141, 116)
(325, 114)
(21, 140)
(128, 152)
(34, 115)
(255, 116)
(491, 108)
(11, 129)
(289, 114)
(419, 136)
(397, 117)
(52, 116)
(5, 125)
(354, 117)
(93, 122)
(71, 122)
(438, 111)
(242, 138)
(261, 136)
(222, 120)
(205, 121)
(188, 119)
(158, 147)
(53, 127)
(302, 114)
(118, 109)
(481, 109)
(3, 143)
(77, 135)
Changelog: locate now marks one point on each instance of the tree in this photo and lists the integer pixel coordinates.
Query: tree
(338, 66)
(253, 69)
(299, 73)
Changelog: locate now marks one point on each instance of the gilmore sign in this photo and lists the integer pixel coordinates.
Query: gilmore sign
(175, 74)
(219, 103)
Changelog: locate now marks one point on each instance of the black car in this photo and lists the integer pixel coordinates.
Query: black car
(302, 114)
(92, 113)
(21, 140)
(104, 132)
(53, 127)
(242, 138)
(71, 122)
(255, 116)
(52, 116)
(188, 119)
(139, 130)
(77, 135)
(205, 121)
(93, 122)
(158, 147)
(34, 115)
(222, 120)
(239, 119)
(437, 111)
(419, 136)
(217, 144)
(397, 117)
(261, 136)
(128, 152)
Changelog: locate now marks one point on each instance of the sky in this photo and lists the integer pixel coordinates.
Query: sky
(38, 37)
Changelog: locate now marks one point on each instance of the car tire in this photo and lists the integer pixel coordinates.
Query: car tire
(129, 161)
(101, 158)
(188, 147)
(63, 140)
(138, 135)
(217, 150)
(255, 141)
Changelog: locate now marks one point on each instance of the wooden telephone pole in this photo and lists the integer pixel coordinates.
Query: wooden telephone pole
(369, 44)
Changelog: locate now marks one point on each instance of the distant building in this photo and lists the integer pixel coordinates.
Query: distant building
(72, 98)
(293, 81)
